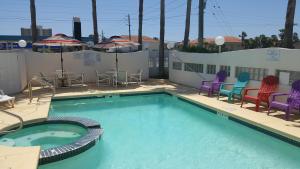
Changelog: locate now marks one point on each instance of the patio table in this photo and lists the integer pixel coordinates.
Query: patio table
(113, 77)
(64, 79)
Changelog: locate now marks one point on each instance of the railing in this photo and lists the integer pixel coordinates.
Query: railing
(43, 83)
(16, 116)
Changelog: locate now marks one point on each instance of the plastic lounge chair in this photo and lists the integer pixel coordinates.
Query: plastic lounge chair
(136, 77)
(5, 98)
(102, 79)
(76, 79)
(46, 81)
(268, 86)
(293, 100)
(212, 87)
(237, 88)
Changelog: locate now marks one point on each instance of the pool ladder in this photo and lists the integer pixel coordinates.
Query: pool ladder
(16, 116)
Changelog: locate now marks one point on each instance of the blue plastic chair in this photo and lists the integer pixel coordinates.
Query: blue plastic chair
(237, 88)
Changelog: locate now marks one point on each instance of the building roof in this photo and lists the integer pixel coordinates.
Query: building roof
(134, 38)
(57, 40)
(116, 41)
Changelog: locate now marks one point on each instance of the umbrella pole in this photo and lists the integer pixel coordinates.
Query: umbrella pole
(117, 64)
(62, 66)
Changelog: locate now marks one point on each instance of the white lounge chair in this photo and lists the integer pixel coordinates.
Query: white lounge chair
(5, 98)
(136, 77)
(74, 79)
(46, 81)
(102, 79)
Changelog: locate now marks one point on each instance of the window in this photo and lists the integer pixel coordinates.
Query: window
(177, 65)
(294, 75)
(255, 73)
(225, 68)
(193, 67)
(211, 69)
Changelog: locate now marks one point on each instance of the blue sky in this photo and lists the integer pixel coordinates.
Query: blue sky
(222, 17)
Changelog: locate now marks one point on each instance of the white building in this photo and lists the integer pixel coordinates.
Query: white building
(40, 31)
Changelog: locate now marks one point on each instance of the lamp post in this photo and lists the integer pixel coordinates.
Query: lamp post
(219, 40)
(22, 43)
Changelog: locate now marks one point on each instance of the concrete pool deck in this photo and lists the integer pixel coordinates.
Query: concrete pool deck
(27, 157)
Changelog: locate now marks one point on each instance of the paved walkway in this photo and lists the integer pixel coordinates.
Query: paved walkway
(27, 157)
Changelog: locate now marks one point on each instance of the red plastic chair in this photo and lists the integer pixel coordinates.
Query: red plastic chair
(268, 86)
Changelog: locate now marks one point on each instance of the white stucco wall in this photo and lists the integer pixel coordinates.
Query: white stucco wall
(271, 59)
(18, 67)
(87, 62)
(12, 72)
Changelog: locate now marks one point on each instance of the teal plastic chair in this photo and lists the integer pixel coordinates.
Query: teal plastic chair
(237, 88)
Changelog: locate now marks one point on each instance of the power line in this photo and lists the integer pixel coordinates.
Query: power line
(223, 15)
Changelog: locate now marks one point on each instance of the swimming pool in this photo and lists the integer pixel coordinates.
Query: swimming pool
(161, 131)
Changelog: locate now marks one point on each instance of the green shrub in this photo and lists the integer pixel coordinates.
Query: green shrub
(206, 48)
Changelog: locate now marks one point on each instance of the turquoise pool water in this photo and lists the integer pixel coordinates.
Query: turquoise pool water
(162, 132)
(45, 135)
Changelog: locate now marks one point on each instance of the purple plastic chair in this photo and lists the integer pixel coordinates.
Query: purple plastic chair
(212, 87)
(293, 100)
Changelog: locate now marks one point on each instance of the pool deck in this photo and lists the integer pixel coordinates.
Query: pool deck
(27, 157)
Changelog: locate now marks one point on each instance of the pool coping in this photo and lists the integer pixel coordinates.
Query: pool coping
(94, 132)
(278, 134)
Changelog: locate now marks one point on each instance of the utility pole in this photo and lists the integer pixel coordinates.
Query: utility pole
(202, 5)
(33, 21)
(129, 27)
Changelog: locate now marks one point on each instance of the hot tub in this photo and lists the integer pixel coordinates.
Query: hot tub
(59, 137)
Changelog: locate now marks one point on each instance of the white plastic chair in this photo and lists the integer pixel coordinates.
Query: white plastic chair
(102, 79)
(6, 98)
(59, 73)
(136, 77)
(46, 81)
(76, 79)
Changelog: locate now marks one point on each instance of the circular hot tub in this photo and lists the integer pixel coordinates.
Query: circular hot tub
(59, 137)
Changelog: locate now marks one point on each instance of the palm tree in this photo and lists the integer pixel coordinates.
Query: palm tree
(162, 39)
(33, 21)
(243, 37)
(202, 4)
(187, 24)
(289, 24)
(95, 23)
(141, 11)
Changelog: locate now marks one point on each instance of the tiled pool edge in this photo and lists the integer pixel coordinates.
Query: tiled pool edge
(286, 137)
(72, 149)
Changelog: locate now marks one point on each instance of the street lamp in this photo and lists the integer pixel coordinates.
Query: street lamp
(220, 41)
(22, 43)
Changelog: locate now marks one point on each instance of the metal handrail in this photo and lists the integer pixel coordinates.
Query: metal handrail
(42, 83)
(16, 116)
